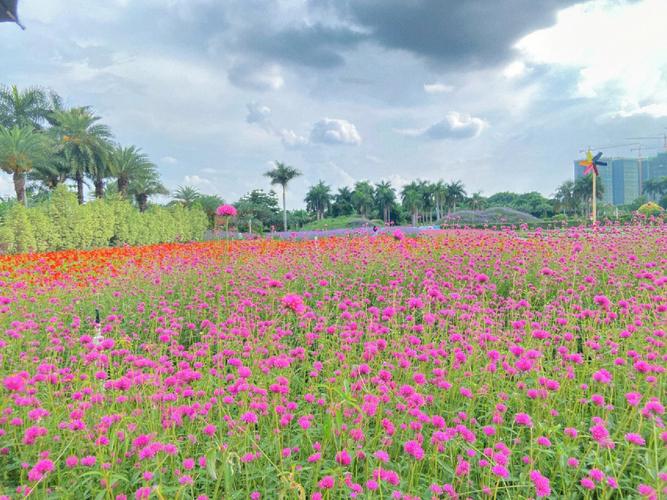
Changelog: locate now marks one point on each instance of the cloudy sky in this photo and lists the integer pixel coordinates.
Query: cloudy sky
(498, 93)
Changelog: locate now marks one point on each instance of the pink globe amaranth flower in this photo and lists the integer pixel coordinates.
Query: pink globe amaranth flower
(294, 302)
(14, 383)
(587, 483)
(647, 491)
(523, 419)
(226, 210)
(634, 438)
(398, 235)
(541, 483)
(500, 470)
(414, 448)
(343, 458)
(327, 483)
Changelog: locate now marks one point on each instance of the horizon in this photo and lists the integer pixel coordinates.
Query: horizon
(340, 92)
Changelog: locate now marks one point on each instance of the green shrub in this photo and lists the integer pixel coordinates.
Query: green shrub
(61, 223)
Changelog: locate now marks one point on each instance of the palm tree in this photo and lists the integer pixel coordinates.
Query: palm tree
(565, 197)
(583, 191)
(427, 191)
(27, 108)
(86, 145)
(52, 172)
(412, 199)
(282, 174)
(21, 149)
(342, 202)
(318, 199)
(440, 197)
(363, 197)
(144, 186)
(655, 187)
(385, 197)
(455, 193)
(125, 163)
(186, 195)
(477, 201)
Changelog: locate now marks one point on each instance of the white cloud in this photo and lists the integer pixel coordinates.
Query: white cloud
(258, 113)
(256, 77)
(515, 69)
(437, 88)
(454, 126)
(168, 160)
(614, 45)
(335, 131)
(291, 139)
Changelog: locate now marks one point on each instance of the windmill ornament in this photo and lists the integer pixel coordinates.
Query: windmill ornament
(591, 163)
(8, 12)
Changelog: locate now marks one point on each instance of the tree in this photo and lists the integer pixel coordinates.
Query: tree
(125, 163)
(27, 108)
(144, 186)
(363, 198)
(282, 174)
(52, 172)
(259, 207)
(86, 145)
(440, 197)
(318, 199)
(583, 192)
(342, 202)
(477, 201)
(209, 204)
(427, 191)
(385, 198)
(186, 195)
(412, 199)
(565, 198)
(455, 193)
(656, 187)
(20, 150)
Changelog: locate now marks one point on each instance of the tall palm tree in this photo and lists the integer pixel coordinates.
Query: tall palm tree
(363, 197)
(86, 145)
(52, 172)
(146, 185)
(655, 187)
(318, 199)
(186, 195)
(282, 174)
(21, 148)
(125, 163)
(385, 197)
(565, 197)
(342, 202)
(23, 108)
(440, 197)
(412, 199)
(456, 193)
(428, 197)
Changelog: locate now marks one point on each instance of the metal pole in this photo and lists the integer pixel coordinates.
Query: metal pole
(595, 205)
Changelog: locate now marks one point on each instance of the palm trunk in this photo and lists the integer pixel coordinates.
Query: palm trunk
(437, 208)
(284, 210)
(79, 186)
(123, 184)
(142, 201)
(99, 188)
(19, 186)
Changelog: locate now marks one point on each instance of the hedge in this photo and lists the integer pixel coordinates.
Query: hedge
(61, 223)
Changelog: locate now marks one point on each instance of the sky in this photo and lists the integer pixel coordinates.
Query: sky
(501, 94)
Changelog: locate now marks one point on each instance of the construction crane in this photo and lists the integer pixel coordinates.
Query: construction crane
(652, 137)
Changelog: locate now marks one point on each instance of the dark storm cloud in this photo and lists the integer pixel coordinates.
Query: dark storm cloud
(316, 46)
(449, 32)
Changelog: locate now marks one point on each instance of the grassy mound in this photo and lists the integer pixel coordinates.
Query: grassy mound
(495, 215)
(343, 222)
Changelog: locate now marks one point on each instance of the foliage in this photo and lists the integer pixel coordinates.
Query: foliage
(651, 208)
(60, 223)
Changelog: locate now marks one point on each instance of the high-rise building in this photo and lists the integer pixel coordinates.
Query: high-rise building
(623, 179)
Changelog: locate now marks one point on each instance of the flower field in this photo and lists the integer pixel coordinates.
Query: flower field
(453, 364)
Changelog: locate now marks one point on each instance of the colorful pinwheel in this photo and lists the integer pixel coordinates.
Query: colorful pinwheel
(591, 163)
(8, 12)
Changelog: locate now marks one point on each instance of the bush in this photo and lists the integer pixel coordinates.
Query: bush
(650, 209)
(60, 223)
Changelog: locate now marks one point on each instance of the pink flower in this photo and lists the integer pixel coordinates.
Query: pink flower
(588, 483)
(398, 235)
(294, 302)
(226, 211)
(414, 448)
(541, 483)
(523, 419)
(343, 458)
(633, 438)
(327, 483)
(500, 470)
